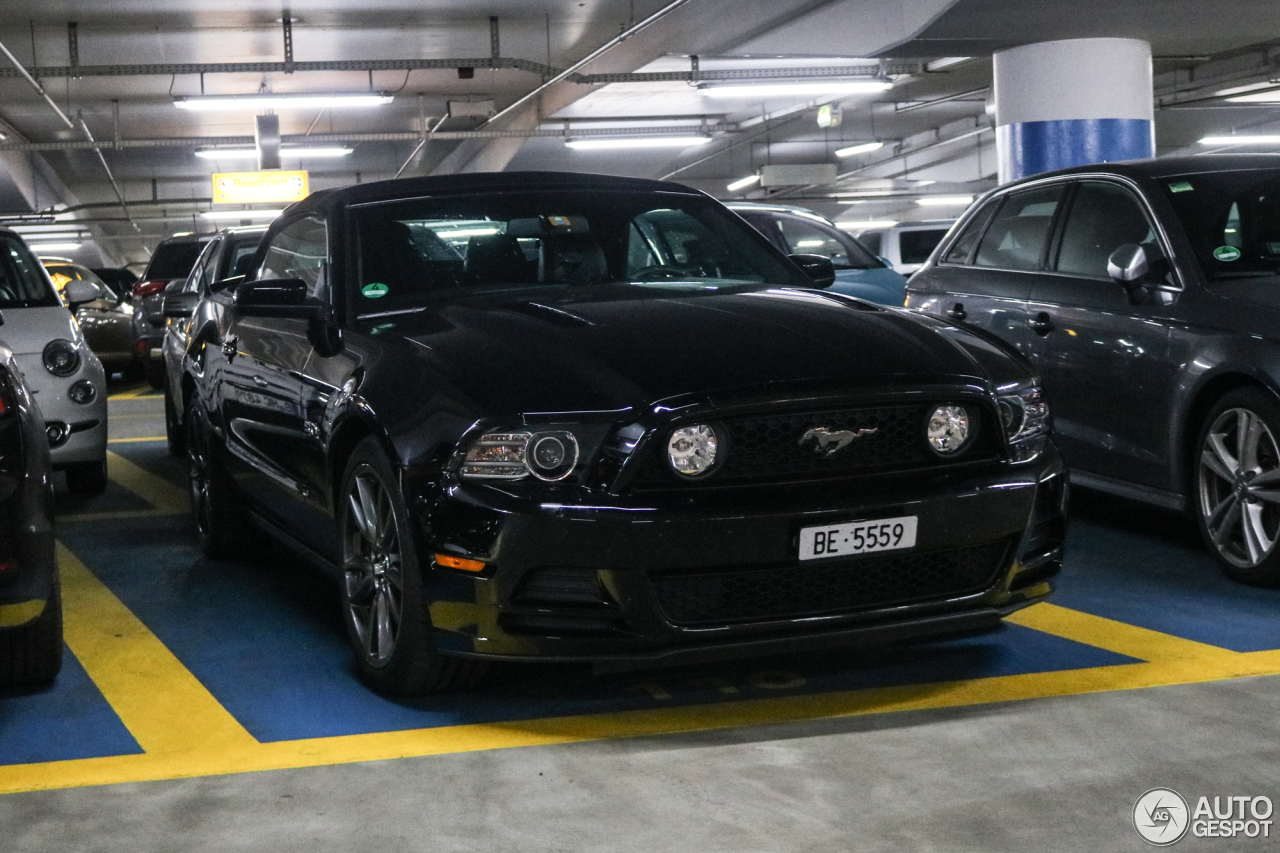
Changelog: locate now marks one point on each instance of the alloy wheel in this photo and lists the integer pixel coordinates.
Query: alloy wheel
(372, 564)
(198, 477)
(1240, 487)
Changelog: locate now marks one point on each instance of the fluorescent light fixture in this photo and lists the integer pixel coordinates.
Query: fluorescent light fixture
(183, 233)
(743, 183)
(945, 199)
(270, 101)
(925, 183)
(1271, 96)
(636, 142)
(945, 62)
(1256, 139)
(796, 87)
(866, 224)
(809, 244)
(287, 151)
(53, 247)
(468, 232)
(864, 193)
(859, 148)
(221, 215)
(1248, 87)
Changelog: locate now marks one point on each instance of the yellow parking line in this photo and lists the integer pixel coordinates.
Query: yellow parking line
(159, 701)
(136, 393)
(142, 438)
(1118, 637)
(157, 491)
(120, 515)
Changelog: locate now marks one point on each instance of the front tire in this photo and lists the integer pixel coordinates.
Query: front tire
(32, 654)
(1237, 485)
(86, 479)
(382, 598)
(220, 527)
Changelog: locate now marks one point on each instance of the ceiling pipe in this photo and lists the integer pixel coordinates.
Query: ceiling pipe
(422, 143)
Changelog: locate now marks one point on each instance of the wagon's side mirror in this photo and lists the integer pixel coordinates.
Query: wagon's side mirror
(277, 297)
(1129, 265)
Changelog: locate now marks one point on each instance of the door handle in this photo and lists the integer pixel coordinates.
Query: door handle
(1042, 323)
(957, 312)
(260, 382)
(229, 347)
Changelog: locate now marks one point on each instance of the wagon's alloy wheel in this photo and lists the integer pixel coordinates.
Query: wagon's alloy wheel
(1239, 487)
(373, 568)
(198, 476)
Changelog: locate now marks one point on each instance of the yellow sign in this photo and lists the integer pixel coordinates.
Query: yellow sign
(249, 187)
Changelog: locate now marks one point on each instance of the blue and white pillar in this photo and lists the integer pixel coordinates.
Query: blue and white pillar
(1071, 103)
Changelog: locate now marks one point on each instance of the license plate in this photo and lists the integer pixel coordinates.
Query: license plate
(858, 537)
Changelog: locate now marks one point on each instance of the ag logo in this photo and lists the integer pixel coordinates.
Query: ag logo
(1161, 817)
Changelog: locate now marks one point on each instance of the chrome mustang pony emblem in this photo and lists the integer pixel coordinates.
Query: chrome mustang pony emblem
(830, 442)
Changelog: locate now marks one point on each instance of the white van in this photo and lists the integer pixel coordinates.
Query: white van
(905, 246)
(63, 374)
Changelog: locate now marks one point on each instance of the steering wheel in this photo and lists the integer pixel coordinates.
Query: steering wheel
(660, 270)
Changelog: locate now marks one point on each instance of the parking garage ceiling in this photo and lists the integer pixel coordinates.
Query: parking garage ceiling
(108, 128)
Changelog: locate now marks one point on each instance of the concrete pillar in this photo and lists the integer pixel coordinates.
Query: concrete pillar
(1073, 102)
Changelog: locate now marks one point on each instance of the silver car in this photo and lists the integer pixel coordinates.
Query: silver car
(63, 374)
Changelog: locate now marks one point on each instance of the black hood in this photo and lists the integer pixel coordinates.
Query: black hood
(611, 348)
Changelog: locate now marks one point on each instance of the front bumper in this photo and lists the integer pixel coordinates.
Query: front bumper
(680, 577)
(86, 425)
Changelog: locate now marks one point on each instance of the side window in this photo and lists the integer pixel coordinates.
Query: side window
(806, 238)
(1103, 217)
(202, 272)
(1016, 238)
(962, 248)
(916, 246)
(300, 251)
(871, 240)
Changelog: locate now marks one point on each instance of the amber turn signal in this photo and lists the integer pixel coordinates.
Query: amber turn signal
(459, 563)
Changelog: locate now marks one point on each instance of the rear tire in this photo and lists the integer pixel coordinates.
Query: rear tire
(382, 598)
(220, 525)
(174, 433)
(32, 654)
(1236, 485)
(87, 479)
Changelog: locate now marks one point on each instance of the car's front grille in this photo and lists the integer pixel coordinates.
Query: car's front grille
(839, 586)
(800, 445)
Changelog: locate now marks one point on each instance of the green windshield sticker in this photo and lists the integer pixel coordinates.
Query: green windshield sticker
(376, 290)
(1181, 187)
(1227, 253)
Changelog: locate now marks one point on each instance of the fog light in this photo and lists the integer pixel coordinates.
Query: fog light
(948, 429)
(58, 433)
(692, 450)
(83, 392)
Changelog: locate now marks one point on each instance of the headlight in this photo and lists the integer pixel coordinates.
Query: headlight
(1025, 416)
(948, 429)
(82, 392)
(549, 456)
(692, 450)
(61, 358)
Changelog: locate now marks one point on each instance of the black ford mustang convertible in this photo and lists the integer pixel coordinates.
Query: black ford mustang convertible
(586, 418)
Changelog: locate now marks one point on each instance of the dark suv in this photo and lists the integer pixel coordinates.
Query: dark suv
(171, 262)
(1147, 295)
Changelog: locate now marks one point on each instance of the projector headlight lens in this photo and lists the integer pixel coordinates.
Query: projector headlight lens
(692, 450)
(1025, 417)
(948, 429)
(61, 358)
(549, 456)
(82, 392)
(552, 455)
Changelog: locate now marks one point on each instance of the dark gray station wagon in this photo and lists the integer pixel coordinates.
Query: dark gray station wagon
(1147, 295)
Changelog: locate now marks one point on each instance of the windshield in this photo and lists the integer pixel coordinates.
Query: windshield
(173, 260)
(22, 285)
(1232, 220)
(413, 253)
(239, 254)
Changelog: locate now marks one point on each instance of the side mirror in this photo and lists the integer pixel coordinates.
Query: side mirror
(79, 292)
(277, 297)
(1128, 265)
(179, 306)
(818, 267)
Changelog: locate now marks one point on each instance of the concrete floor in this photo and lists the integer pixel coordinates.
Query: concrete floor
(1042, 774)
(1056, 774)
